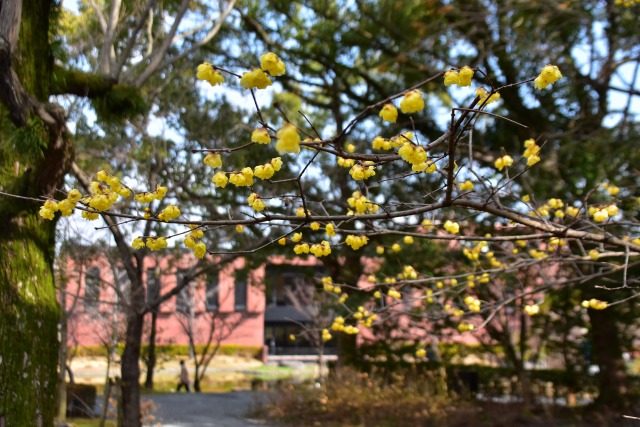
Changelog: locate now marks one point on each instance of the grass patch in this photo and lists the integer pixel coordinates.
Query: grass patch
(88, 422)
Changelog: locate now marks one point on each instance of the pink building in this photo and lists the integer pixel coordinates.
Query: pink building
(232, 305)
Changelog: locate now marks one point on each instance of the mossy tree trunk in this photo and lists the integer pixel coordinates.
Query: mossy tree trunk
(35, 154)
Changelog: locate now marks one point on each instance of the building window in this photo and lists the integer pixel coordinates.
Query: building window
(183, 298)
(240, 291)
(92, 288)
(122, 283)
(213, 283)
(153, 286)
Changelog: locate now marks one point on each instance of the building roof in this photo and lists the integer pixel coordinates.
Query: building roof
(284, 314)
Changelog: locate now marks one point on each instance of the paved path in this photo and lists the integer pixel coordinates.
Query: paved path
(207, 409)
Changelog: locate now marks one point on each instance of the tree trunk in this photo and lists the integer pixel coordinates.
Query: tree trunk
(130, 366)
(607, 351)
(61, 386)
(151, 356)
(34, 157)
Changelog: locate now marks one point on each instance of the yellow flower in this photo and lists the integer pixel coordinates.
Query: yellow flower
(361, 172)
(389, 113)
(396, 247)
(503, 162)
(256, 202)
(282, 241)
(408, 240)
(466, 186)
(482, 93)
(156, 243)
(288, 139)
(200, 250)
(465, 75)
(169, 213)
(46, 213)
(296, 237)
(74, 196)
(260, 136)
(532, 309)
(270, 63)
(394, 294)
(301, 249)
(255, 79)
(137, 243)
(356, 242)
(532, 160)
(330, 229)
(276, 162)
(90, 216)
(379, 143)
(452, 227)
(350, 148)
(601, 215)
(412, 102)
(220, 179)
(207, 73)
(314, 226)
(451, 77)
(190, 242)
(380, 250)
(549, 75)
(594, 254)
(612, 210)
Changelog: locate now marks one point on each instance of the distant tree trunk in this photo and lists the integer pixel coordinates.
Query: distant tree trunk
(151, 355)
(34, 157)
(61, 386)
(130, 367)
(607, 351)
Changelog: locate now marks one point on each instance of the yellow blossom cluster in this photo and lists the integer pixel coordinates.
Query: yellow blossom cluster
(465, 327)
(610, 188)
(273, 65)
(364, 171)
(503, 162)
(191, 241)
(320, 249)
(301, 212)
(421, 352)
(267, 170)
(156, 243)
(361, 204)
(460, 78)
(255, 79)
(473, 254)
(394, 294)
(356, 242)
(66, 206)
(601, 214)
(412, 102)
(345, 163)
(455, 312)
(594, 254)
(482, 93)
(149, 197)
(549, 75)
(288, 139)
(244, 178)
(536, 254)
(594, 304)
(339, 325)
(330, 229)
(302, 248)
(209, 74)
(408, 273)
(473, 303)
(260, 136)
(220, 179)
(532, 309)
(256, 202)
(169, 213)
(452, 227)
(326, 335)
(466, 186)
(412, 154)
(531, 152)
(213, 160)
(389, 113)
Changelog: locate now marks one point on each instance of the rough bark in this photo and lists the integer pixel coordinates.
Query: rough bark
(607, 350)
(151, 355)
(35, 154)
